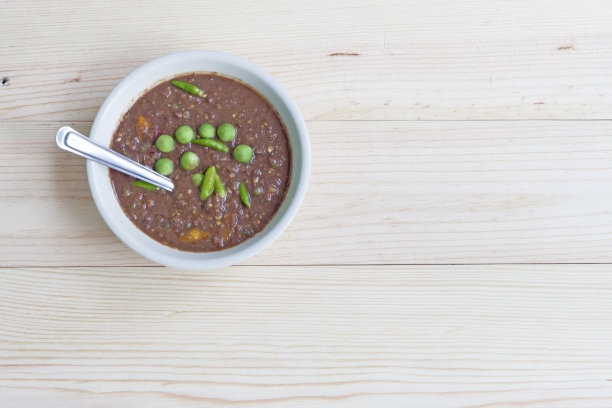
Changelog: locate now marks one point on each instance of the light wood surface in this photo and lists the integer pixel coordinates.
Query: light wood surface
(391, 336)
(357, 60)
(453, 249)
(382, 192)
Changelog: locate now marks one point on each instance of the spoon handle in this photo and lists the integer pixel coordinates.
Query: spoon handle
(74, 142)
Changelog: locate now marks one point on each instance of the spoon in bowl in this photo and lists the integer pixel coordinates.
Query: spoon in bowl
(74, 142)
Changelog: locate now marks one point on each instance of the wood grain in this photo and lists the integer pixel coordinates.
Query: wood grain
(378, 60)
(330, 315)
(380, 193)
(396, 336)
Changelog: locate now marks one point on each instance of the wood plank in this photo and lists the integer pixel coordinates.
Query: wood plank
(396, 336)
(347, 60)
(380, 193)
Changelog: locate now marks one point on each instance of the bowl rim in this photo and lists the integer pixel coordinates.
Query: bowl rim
(171, 257)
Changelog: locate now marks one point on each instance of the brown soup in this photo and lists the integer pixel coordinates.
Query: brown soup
(181, 219)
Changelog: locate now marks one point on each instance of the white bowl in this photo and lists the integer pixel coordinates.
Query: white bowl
(164, 68)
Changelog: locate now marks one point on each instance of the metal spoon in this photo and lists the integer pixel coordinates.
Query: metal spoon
(74, 142)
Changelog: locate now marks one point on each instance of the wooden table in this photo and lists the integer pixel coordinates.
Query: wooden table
(453, 250)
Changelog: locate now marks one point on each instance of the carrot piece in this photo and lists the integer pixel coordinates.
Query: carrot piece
(143, 127)
(194, 235)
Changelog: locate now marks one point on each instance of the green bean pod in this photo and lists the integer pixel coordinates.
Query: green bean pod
(186, 86)
(213, 144)
(208, 183)
(244, 195)
(145, 185)
(219, 187)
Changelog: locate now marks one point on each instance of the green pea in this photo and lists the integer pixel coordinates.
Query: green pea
(189, 160)
(207, 131)
(219, 187)
(244, 195)
(208, 183)
(213, 144)
(243, 153)
(184, 134)
(226, 132)
(196, 179)
(164, 166)
(165, 143)
(145, 185)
